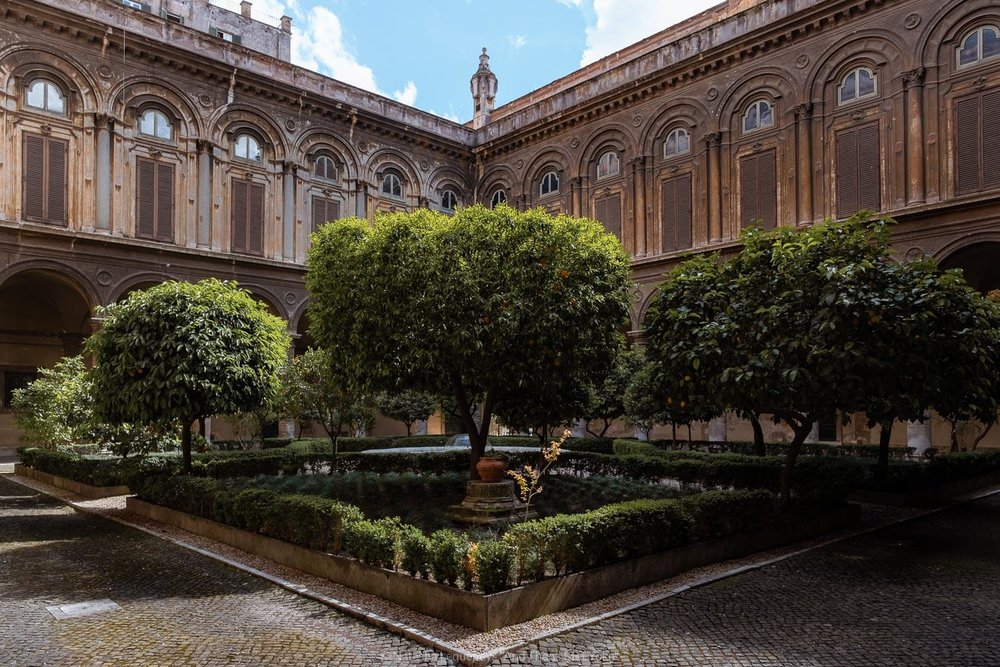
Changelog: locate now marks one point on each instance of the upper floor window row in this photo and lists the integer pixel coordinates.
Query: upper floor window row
(248, 148)
(759, 115)
(858, 84)
(325, 167)
(677, 142)
(154, 123)
(449, 200)
(549, 184)
(609, 164)
(981, 44)
(392, 185)
(499, 197)
(44, 95)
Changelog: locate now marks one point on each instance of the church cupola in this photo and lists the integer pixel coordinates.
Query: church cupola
(484, 91)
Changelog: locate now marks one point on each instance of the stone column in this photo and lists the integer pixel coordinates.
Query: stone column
(913, 81)
(579, 429)
(103, 175)
(717, 429)
(420, 427)
(639, 207)
(204, 194)
(714, 148)
(918, 435)
(640, 435)
(813, 436)
(576, 197)
(288, 211)
(361, 206)
(803, 144)
(208, 429)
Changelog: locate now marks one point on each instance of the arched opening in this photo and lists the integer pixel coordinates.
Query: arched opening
(980, 264)
(304, 338)
(44, 316)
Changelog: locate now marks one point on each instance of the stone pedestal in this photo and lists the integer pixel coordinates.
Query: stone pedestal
(489, 503)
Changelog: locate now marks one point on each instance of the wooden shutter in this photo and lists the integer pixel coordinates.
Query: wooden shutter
(609, 213)
(859, 173)
(847, 173)
(239, 215)
(34, 177)
(991, 139)
(145, 203)
(323, 211)
(164, 202)
(676, 222)
(759, 189)
(255, 219)
(45, 180)
(977, 140)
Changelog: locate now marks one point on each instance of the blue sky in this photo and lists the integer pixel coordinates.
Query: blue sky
(423, 53)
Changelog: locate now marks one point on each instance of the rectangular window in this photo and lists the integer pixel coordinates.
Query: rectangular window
(977, 142)
(45, 179)
(226, 35)
(608, 211)
(759, 190)
(676, 213)
(248, 217)
(173, 18)
(132, 3)
(827, 428)
(154, 207)
(858, 172)
(323, 211)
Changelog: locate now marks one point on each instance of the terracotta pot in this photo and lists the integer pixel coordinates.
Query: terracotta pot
(491, 469)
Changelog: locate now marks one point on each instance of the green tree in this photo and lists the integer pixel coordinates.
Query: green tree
(183, 351)
(57, 408)
(547, 402)
(479, 303)
(407, 406)
(644, 408)
(606, 399)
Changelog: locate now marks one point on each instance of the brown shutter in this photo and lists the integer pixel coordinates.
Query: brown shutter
(239, 215)
(847, 173)
(676, 213)
(56, 181)
(767, 182)
(749, 211)
(323, 211)
(145, 202)
(991, 139)
(34, 177)
(967, 154)
(255, 220)
(869, 168)
(165, 202)
(609, 214)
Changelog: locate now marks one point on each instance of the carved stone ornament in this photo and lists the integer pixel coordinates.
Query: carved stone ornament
(914, 77)
(205, 100)
(290, 125)
(291, 299)
(858, 115)
(637, 120)
(425, 165)
(574, 142)
(363, 146)
(915, 253)
(248, 175)
(758, 147)
(104, 72)
(155, 152)
(712, 93)
(45, 128)
(802, 61)
(520, 164)
(103, 278)
(911, 21)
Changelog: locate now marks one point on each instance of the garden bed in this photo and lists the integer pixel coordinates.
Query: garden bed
(932, 496)
(489, 612)
(79, 488)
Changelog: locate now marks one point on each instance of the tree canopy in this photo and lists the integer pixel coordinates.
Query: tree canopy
(56, 409)
(407, 406)
(182, 351)
(482, 302)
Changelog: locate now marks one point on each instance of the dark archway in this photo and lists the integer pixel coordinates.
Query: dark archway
(980, 263)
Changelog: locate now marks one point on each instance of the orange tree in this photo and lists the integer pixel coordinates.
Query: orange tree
(482, 303)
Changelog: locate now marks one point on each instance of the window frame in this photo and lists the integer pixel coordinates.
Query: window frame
(454, 196)
(756, 106)
(980, 59)
(48, 84)
(393, 174)
(616, 161)
(493, 197)
(678, 130)
(326, 158)
(154, 136)
(549, 177)
(250, 137)
(858, 97)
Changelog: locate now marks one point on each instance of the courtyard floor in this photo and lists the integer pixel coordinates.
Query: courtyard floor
(923, 592)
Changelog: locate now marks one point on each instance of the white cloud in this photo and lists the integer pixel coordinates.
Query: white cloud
(408, 95)
(320, 47)
(623, 22)
(517, 41)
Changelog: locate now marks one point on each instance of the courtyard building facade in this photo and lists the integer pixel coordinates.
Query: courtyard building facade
(173, 139)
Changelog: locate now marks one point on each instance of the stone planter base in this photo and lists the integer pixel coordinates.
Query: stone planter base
(490, 503)
(489, 612)
(79, 488)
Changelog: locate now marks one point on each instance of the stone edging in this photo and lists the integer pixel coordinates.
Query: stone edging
(930, 496)
(489, 612)
(79, 488)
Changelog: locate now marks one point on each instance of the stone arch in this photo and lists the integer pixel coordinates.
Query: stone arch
(769, 83)
(686, 112)
(950, 22)
(642, 307)
(267, 297)
(23, 60)
(551, 158)
(137, 282)
(317, 140)
(236, 117)
(499, 176)
(303, 338)
(878, 49)
(138, 92)
(448, 177)
(391, 159)
(977, 255)
(615, 137)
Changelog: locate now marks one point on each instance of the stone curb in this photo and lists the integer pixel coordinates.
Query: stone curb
(481, 659)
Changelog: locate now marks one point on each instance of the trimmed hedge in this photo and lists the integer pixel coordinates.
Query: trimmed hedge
(781, 448)
(96, 471)
(944, 468)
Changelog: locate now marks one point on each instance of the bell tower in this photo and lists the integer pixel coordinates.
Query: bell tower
(484, 90)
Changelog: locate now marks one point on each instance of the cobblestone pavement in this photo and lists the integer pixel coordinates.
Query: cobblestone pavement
(177, 607)
(920, 593)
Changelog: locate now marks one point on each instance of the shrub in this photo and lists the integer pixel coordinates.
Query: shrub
(720, 513)
(448, 550)
(416, 552)
(941, 469)
(374, 542)
(95, 471)
(494, 565)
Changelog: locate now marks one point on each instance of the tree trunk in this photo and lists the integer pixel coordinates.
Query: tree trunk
(801, 431)
(186, 444)
(882, 467)
(408, 425)
(673, 436)
(979, 438)
(759, 448)
(954, 436)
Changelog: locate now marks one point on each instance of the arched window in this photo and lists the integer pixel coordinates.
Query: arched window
(981, 44)
(759, 114)
(859, 83)
(47, 96)
(248, 148)
(608, 165)
(449, 200)
(499, 197)
(325, 167)
(391, 184)
(549, 184)
(677, 142)
(154, 123)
